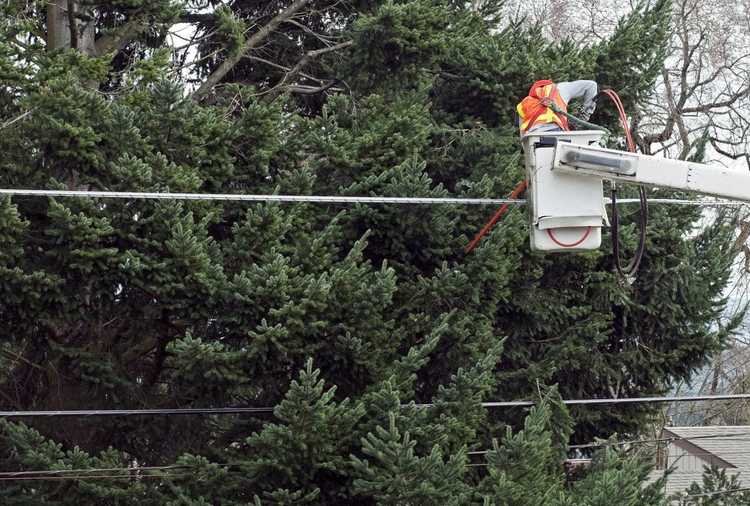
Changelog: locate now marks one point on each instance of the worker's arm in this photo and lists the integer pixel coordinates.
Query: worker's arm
(585, 90)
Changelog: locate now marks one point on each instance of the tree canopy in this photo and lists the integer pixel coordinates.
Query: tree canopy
(347, 319)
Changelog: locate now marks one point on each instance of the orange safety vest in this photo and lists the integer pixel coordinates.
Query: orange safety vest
(533, 112)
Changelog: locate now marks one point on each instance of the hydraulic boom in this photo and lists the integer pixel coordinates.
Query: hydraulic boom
(565, 172)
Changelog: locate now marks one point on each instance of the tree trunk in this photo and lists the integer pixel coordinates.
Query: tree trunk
(718, 365)
(66, 30)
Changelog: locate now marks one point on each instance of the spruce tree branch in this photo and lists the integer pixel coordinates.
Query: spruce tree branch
(232, 60)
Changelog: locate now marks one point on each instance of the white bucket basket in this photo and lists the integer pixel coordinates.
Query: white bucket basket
(566, 211)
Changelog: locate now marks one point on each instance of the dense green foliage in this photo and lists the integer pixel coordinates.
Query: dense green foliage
(143, 304)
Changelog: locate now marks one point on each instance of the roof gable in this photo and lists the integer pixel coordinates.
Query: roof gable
(727, 444)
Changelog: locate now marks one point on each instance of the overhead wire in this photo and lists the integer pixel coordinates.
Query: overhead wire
(143, 471)
(55, 472)
(130, 473)
(136, 412)
(269, 409)
(327, 199)
(716, 492)
(100, 477)
(610, 444)
(660, 440)
(238, 197)
(633, 442)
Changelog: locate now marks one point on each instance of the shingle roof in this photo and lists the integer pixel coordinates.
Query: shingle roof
(679, 482)
(729, 443)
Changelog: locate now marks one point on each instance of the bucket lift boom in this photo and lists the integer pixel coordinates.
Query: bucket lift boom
(565, 171)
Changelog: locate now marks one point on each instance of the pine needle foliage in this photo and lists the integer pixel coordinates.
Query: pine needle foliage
(366, 327)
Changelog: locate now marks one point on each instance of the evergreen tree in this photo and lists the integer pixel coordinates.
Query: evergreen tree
(142, 304)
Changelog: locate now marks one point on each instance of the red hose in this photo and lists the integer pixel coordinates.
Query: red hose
(569, 245)
(520, 187)
(632, 267)
(623, 118)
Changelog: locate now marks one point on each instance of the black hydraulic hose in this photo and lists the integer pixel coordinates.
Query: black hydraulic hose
(632, 267)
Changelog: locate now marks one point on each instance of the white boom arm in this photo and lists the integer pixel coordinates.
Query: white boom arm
(652, 171)
(565, 171)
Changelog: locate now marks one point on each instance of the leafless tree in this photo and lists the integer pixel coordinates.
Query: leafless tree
(73, 24)
(704, 86)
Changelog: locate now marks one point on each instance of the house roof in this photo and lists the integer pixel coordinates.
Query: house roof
(680, 482)
(729, 443)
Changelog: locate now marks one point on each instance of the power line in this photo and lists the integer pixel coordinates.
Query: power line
(254, 198)
(320, 199)
(267, 409)
(141, 472)
(683, 202)
(99, 477)
(662, 440)
(88, 474)
(135, 412)
(623, 400)
(55, 472)
(608, 444)
(718, 492)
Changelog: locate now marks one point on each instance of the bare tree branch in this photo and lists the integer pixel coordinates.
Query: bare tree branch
(309, 56)
(285, 69)
(312, 90)
(120, 37)
(719, 104)
(228, 64)
(14, 120)
(743, 235)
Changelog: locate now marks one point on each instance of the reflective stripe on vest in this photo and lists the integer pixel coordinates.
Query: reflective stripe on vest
(533, 113)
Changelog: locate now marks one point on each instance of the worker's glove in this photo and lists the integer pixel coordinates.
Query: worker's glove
(582, 113)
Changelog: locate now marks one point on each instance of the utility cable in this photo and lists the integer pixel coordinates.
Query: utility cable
(661, 440)
(100, 477)
(333, 199)
(611, 444)
(258, 410)
(318, 199)
(141, 472)
(132, 472)
(135, 412)
(53, 472)
(715, 493)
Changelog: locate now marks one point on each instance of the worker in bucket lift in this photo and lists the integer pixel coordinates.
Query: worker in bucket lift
(536, 114)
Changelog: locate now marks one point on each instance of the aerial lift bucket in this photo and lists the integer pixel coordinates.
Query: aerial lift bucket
(566, 211)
